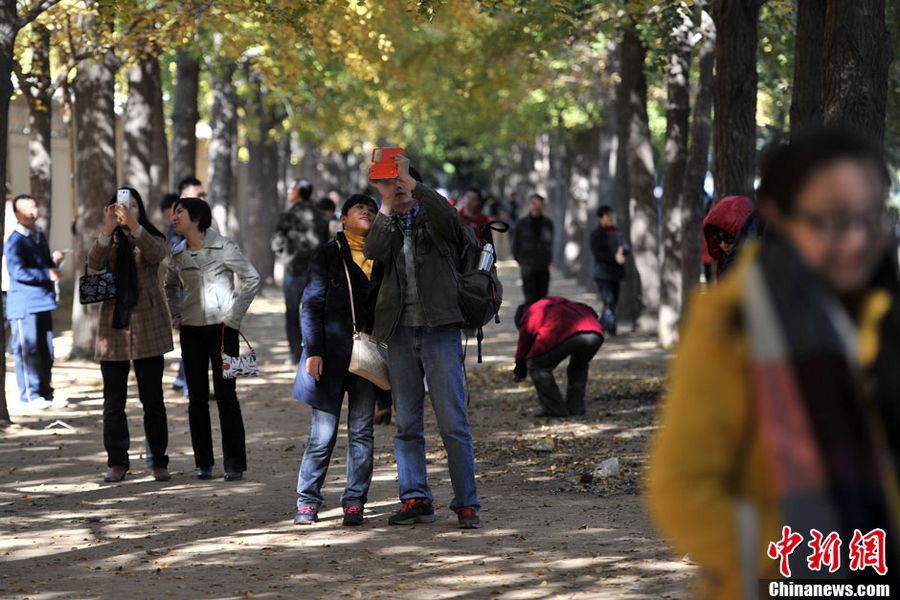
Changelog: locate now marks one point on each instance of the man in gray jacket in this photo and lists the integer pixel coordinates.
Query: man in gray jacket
(418, 315)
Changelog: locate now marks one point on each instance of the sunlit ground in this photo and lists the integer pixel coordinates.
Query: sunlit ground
(550, 531)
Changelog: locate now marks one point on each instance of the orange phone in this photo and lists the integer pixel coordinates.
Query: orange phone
(383, 166)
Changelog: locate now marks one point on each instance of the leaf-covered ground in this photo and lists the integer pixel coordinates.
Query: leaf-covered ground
(555, 525)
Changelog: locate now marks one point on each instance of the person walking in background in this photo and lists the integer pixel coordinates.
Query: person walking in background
(470, 212)
(721, 227)
(550, 331)
(299, 232)
(134, 328)
(609, 248)
(781, 414)
(166, 208)
(29, 304)
(533, 250)
(328, 208)
(322, 378)
(418, 315)
(204, 306)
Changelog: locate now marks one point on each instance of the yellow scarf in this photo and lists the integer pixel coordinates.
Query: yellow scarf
(356, 243)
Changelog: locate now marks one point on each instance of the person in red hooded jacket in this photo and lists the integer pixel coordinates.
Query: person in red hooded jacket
(721, 229)
(551, 330)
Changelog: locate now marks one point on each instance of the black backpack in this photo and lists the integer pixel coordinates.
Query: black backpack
(480, 292)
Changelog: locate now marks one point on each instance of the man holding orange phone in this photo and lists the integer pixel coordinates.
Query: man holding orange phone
(418, 315)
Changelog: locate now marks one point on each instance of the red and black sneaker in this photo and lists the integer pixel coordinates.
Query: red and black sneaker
(353, 515)
(468, 518)
(306, 515)
(413, 510)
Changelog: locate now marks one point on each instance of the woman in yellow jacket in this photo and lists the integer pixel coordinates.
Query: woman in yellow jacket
(782, 405)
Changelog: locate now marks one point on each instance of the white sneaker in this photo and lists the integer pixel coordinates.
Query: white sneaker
(35, 406)
(59, 402)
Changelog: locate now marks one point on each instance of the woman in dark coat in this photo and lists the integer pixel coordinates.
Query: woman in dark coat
(322, 376)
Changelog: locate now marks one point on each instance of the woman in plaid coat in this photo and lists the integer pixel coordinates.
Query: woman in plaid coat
(134, 328)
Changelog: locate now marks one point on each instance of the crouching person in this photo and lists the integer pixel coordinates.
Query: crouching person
(322, 377)
(551, 330)
(418, 315)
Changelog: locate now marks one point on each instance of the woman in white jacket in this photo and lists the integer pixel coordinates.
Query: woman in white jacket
(209, 315)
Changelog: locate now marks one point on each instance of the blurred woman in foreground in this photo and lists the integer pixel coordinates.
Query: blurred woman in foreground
(796, 424)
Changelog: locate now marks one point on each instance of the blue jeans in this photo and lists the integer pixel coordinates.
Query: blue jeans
(360, 447)
(293, 293)
(32, 347)
(436, 354)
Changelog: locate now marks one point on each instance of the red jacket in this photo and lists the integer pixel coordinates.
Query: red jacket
(475, 221)
(549, 322)
(729, 215)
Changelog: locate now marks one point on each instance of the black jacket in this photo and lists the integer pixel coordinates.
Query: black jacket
(604, 244)
(327, 325)
(533, 242)
(435, 273)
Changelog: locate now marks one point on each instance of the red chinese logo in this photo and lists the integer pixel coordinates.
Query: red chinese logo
(782, 549)
(868, 551)
(865, 551)
(826, 551)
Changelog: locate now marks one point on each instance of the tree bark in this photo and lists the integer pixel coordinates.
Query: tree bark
(185, 116)
(678, 112)
(262, 206)
(735, 87)
(40, 124)
(809, 65)
(223, 122)
(146, 160)
(9, 29)
(692, 192)
(95, 176)
(642, 203)
(858, 54)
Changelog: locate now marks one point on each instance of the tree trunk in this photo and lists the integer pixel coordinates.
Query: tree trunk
(8, 31)
(809, 65)
(95, 176)
(858, 54)
(185, 116)
(263, 206)
(734, 93)
(223, 122)
(557, 196)
(692, 192)
(641, 180)
(146, 157)
(678, 112)
(40, 124)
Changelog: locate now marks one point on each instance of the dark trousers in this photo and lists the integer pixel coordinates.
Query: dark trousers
(32, 348)
(149, 372)
(580, 349)
(293, 293)
(535, 284)
(200, 348)
(608, 293)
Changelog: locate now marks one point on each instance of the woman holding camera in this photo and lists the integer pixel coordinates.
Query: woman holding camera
(209, 315)
(322, 377)
(134, 328)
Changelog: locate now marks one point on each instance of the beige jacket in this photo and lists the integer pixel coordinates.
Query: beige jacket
(200, 285)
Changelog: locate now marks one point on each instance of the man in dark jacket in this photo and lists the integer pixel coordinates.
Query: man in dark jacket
(29, 303)
(551, 330)
(300, 231)
(609, 249)
(533, 250)
(418, 315)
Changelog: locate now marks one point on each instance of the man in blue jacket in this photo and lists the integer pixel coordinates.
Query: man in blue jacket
(31, 297)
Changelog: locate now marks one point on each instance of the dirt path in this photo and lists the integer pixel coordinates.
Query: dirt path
(552, 530)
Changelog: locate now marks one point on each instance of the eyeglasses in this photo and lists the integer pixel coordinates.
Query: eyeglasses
(721, 236)
(836, 225)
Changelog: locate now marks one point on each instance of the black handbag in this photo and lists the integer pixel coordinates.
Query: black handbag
(97, 287)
